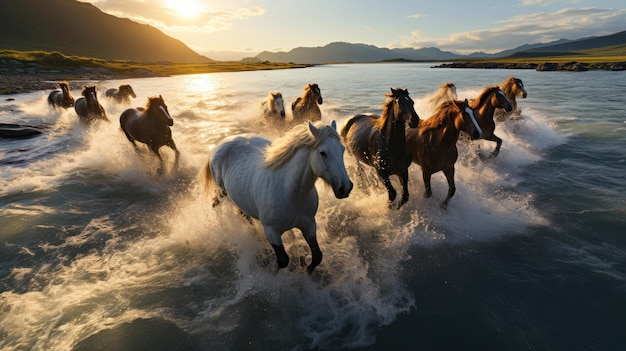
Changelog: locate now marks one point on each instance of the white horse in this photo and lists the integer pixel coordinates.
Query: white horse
(273, 107)
(274, 182)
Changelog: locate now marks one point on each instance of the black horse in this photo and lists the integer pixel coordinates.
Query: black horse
(151, 126)
(88, 107)
(61, 98)
(380, 141)
(121, 95)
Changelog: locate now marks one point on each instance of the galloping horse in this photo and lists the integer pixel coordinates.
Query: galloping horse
(511, 87)
(62, 98)
(273, 107)
(484, 107)
(88, 107)
(433, 143)
(380, 142)
(446, 92)
(150, 125)
(305, 107)
(121, 95)
(274, 182)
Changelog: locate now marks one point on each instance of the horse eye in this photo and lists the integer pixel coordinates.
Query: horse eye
(323, 153)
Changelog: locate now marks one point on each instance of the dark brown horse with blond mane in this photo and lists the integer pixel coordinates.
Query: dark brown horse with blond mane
(61, 98)
(433, 143)
(484, 106)
(151, 126)
(122, 94)
(511, 87)
(304, 108)
(380, 142)
(88, 107)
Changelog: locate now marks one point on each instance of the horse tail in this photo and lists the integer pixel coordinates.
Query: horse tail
(206, 176)
(346, 128)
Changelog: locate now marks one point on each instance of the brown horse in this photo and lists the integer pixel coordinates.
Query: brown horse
(151, 126)
(433, 144)
(304, 108)
(61, 98)
(484, 106)
(511, 87)
(380, 142)
(121, 95)
(88, 107)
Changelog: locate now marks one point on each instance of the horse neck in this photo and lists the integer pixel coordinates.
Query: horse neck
(484, 111)
(309, 100)
(450, 133)
(298, 174)
(392, 132)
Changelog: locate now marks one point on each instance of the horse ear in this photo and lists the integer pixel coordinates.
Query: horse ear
(314, 130)
(333, 124)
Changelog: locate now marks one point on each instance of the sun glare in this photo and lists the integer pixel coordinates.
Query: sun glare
(185, 8)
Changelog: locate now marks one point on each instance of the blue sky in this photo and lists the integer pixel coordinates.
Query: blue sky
(236, 28)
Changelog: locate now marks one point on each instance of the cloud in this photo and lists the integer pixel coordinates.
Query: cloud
(417, 15)
(569, 23)
(159, 15)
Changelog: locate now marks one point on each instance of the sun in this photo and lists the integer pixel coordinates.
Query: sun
(185, 8)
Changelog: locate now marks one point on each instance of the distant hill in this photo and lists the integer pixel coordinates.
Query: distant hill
(347, 52)
(81, 29)
(614, 44)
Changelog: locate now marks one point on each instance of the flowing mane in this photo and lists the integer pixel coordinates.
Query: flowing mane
(282, 150)
(446, 92)
(154, 100)
(387, 112)
(485, 93)
(309, 94)
(441, 113)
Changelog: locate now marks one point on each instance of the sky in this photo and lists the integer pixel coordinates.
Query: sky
(233, 29)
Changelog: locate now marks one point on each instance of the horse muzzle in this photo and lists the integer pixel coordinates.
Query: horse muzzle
(343, 190)
(477, 134)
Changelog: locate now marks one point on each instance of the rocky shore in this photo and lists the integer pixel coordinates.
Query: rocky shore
(547, 66)
(22, 79)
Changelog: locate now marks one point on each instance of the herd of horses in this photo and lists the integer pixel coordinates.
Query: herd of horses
(273, 181)
(148, 125)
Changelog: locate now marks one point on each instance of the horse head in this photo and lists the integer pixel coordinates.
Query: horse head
(327, 159)
(127, 90)
(466, 121)
(89, 92)
(499, 100)
(517, 87)
(403, 109)
(315, 89)
(279, 104)
(156, 106)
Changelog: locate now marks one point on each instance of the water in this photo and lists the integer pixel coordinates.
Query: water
(98, 252)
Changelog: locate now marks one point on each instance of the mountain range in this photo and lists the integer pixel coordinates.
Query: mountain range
(81, 29)
(614, 44)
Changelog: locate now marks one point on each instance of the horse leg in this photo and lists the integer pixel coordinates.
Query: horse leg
(498, 144)
(428, 192)
(172, 145)
(390, 190)
(155, 150)
(273, 236)
(404, 180)
(310, 236)
(449, 173)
